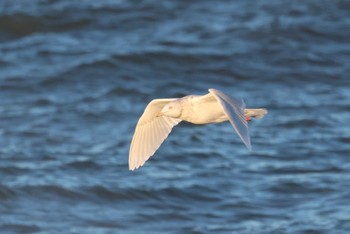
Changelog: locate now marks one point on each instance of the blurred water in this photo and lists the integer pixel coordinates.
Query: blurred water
(76, 75)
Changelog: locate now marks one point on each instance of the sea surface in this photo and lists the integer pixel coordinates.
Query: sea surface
(75, 76)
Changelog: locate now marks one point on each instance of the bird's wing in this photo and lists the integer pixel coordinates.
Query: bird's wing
(234, 109)
(151, 130)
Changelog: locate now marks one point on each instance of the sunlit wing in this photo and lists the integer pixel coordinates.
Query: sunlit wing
(234, 109)
(151, 130)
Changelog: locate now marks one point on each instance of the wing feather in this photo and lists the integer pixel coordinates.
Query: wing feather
(139, 143)
(150, 132)
(143, 144)
(152, 138)
(234, 109)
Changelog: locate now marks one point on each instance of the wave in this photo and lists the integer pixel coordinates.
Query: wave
(299, 188)
(50, 190)
(6, 193)
(19, 228)
(19, 24)
(300, 171)
(102, 193)
(302, 123)
(12, 170)
(22, 24)
(83, 165)
(193, 193)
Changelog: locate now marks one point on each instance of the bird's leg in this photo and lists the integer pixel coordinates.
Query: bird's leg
(248, 118)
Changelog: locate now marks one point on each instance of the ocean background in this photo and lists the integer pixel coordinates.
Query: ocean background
(75, 76)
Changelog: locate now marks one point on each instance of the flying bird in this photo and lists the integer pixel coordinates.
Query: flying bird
(161, 115)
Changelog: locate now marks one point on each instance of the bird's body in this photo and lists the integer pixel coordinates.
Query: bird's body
(161, 115)
(201, 110)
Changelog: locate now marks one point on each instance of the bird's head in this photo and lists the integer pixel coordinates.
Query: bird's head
(172, 109)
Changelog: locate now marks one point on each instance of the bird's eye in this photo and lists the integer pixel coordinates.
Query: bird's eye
(170, 107)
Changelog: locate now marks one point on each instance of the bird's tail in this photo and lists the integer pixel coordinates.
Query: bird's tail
(255, 113)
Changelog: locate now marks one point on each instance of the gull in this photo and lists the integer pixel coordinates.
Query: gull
(161, 115)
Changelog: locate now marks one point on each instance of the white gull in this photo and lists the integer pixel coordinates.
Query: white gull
(161, 115)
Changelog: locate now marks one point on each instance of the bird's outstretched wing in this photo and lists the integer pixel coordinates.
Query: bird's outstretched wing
(151, 130)
(234, 109)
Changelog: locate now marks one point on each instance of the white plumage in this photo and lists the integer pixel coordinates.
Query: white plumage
(161, 115)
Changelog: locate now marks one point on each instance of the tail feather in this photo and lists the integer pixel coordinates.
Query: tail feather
(255, 113)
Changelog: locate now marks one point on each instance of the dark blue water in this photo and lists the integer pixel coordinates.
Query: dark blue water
(76, 75)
